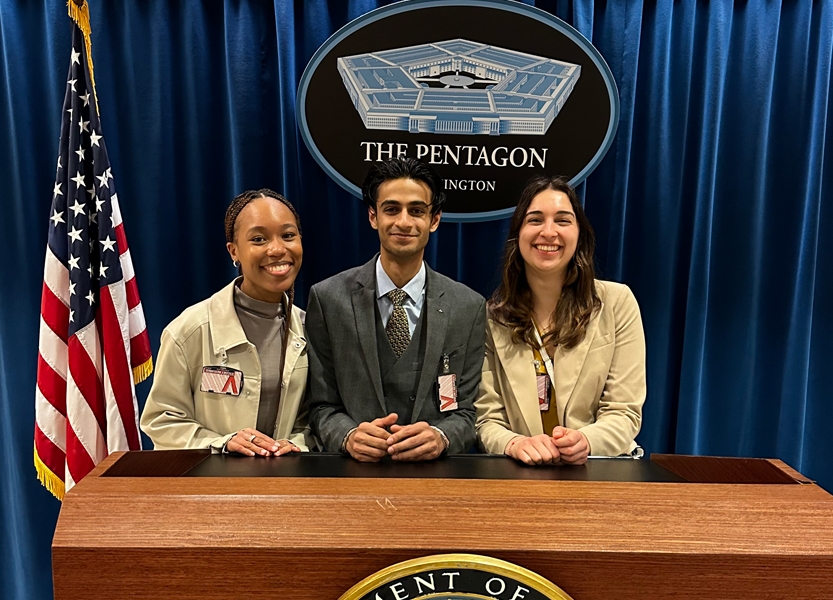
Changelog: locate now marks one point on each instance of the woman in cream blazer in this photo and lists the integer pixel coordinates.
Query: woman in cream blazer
(217, 387)
(589, 331)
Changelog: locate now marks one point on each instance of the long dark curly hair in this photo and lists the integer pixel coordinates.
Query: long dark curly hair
(511, 304)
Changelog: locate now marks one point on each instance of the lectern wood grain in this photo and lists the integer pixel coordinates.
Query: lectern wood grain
(313, 538)
(713, 469)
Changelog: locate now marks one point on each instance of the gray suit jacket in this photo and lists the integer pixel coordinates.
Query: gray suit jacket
(345, 384)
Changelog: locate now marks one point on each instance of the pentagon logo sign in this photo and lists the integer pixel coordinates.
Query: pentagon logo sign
(455, 577)
(457, 86)
(488, 92)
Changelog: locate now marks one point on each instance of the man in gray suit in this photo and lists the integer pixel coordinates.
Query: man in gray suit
(396, 349)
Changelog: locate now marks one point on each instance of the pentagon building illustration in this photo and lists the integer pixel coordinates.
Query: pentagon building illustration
(458, 86)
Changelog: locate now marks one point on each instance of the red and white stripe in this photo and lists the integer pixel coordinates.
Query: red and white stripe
(51, 392)
(139, 349)
(85, 402)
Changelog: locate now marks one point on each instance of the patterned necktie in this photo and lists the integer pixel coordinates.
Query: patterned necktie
(397, 327)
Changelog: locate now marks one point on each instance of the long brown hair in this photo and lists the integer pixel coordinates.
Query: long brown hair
(511, 304)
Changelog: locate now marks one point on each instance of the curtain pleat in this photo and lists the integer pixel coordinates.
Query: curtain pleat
(711, 204)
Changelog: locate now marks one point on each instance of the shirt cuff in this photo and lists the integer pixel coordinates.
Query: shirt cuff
(446, 443)
(344, 441)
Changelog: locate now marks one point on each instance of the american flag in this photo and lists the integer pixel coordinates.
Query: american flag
(93, 342)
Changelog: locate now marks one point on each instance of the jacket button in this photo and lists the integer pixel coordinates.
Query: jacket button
(297, 344)
(412, 398)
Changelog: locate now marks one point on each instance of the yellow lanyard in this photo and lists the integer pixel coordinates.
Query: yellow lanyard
(544, 355)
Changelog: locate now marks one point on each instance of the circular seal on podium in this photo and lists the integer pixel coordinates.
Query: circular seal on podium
(455, 577)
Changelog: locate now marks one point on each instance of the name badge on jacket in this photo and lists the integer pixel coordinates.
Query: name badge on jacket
(543, 382)
(221, 380)
(447, 384)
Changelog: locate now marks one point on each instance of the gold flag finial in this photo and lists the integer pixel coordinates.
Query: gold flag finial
(79, 12)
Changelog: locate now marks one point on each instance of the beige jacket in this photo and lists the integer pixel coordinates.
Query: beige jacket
(178, 415)
(599, 384)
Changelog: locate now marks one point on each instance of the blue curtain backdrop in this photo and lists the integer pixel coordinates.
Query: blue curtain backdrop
(709, 204)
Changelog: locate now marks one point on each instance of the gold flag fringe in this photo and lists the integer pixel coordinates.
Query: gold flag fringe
(81, 16)
(47, 478)
(143, 371)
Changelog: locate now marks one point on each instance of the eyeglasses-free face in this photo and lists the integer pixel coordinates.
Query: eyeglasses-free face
(549, 234)
(403, 218)
(268, 247)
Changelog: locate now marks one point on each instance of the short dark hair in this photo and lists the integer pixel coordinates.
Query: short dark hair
(242, 200)
(402, 167)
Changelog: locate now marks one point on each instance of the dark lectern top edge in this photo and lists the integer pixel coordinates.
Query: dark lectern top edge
(157, 463)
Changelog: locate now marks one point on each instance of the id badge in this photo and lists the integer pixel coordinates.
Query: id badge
(221, 380)
(447, 384)
(543, 392)
(448, 391)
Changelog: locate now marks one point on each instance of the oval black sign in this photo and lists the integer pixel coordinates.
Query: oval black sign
(488, 92)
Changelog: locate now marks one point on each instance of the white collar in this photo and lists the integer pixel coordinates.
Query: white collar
(413, 288)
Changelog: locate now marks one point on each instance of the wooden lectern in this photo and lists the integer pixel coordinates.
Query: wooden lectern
(189, 525)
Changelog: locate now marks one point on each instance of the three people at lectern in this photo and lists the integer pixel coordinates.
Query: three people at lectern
(390, 361)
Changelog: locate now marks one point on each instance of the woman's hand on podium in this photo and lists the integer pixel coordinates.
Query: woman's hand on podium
(572, 445)
(535, 450)
(251, 442)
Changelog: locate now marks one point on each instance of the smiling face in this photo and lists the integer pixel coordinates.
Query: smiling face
(403, 218)
(549, 234)
(268, 246)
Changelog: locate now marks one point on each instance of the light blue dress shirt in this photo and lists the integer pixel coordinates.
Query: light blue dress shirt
(415, 289)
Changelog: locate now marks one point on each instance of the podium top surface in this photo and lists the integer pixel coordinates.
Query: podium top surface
(662, 468)
(318, 465)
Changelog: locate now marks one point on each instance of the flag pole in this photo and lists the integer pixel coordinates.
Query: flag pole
(79, 12)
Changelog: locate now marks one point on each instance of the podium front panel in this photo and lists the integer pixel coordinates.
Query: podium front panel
(312, 526)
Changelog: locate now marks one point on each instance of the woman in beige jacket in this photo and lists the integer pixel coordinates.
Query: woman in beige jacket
(564, 373)
(232, 370)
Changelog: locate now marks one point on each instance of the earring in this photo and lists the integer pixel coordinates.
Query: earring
(236, 264)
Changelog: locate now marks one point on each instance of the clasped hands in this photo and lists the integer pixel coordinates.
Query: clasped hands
(371, 442)
(251, 442)
(565, 446)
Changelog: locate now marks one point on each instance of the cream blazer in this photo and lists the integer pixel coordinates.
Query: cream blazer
(178, 415)
(599, 384)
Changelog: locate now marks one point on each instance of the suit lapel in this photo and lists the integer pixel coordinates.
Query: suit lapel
(516, 360)
(435, 315)
(567, 366)
(364, 309)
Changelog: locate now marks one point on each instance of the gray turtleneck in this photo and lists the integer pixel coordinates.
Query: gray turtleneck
(263, 324)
